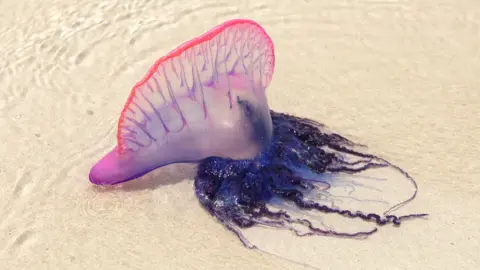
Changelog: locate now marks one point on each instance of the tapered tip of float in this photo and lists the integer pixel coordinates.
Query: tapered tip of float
(111, 170)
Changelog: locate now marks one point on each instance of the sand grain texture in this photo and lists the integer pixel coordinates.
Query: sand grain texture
(399, 76)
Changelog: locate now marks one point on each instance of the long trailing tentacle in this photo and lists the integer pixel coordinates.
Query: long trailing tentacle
(307, 130)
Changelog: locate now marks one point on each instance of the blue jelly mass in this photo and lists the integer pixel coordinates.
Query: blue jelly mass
(298, 169)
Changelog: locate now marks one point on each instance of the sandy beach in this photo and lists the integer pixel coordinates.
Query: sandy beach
(400, 76)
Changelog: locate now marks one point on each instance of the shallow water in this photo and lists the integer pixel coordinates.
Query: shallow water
(398, 76)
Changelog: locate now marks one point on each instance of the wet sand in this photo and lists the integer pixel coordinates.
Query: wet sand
(399, 76)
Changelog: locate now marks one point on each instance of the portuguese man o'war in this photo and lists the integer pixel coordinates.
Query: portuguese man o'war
(205, 102)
